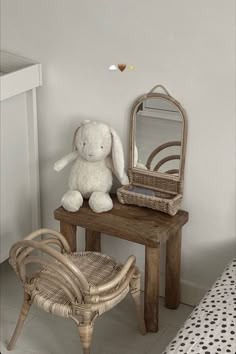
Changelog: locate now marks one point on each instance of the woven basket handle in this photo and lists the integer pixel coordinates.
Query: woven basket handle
(163, 88)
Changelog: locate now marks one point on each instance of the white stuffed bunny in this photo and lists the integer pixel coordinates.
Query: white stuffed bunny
(91, 173)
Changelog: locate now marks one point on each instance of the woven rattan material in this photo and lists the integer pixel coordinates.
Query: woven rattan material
(168, 206)
(80, 286)
(169, 184)
(97, 268)
(170, 181)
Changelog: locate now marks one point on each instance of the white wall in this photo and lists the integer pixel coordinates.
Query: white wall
(187, 45)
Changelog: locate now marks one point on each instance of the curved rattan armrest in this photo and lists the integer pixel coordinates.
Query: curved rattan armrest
(23, 253)
(54, 254)
(107, 297)
(159, 149)
(96, 290)
(54, 233)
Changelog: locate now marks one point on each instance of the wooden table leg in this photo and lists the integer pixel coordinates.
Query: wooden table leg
(92, 240)
(173, 265)
(151, 295)
(69, 231)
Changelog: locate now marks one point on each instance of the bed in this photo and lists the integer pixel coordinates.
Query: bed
(211, 328)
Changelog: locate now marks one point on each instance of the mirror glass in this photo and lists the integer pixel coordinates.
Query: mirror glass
(158, 136)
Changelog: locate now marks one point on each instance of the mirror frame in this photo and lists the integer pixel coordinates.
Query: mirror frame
(157, 180)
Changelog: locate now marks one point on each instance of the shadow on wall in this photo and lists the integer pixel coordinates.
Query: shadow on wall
(201, 269)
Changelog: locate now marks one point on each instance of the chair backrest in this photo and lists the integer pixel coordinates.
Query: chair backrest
(65, 274)
(163, 160)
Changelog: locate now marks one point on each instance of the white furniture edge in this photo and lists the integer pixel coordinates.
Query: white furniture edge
(21, 75)
(33, 157)
(18, 75)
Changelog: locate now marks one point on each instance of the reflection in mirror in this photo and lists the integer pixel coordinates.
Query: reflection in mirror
(158, 137)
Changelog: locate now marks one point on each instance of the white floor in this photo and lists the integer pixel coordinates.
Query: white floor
(115, 332)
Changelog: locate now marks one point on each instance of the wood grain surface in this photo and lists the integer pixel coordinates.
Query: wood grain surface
(92, 240)
(173, 267)
(141, 225)
(151, 293)
(69, 231)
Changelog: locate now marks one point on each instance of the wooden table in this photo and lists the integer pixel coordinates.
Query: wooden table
(140, 225)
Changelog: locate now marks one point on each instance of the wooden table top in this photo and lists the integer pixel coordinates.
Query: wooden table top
(141, 225)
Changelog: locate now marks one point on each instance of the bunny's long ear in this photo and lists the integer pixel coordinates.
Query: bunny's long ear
(76, 131)
(117, 154)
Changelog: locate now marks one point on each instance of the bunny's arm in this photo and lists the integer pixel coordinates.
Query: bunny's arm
(124, 179)
(64, 161)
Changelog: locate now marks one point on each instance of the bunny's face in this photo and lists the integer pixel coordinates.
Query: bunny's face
(93, 141)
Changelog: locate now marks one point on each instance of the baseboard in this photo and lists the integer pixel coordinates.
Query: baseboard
(191, 293)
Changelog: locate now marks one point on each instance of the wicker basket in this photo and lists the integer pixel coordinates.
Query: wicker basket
(162, 201)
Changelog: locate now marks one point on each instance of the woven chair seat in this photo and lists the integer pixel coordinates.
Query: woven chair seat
(96, 267)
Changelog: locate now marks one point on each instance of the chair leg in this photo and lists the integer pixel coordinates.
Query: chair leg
(136, 295)
(23, 314)
(86, 332)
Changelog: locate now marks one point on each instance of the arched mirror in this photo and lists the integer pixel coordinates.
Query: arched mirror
(158, 134)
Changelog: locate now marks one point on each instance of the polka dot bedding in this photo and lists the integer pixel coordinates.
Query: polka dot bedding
(211, 328)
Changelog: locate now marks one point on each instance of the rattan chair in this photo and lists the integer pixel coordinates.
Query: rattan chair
(165, 159)
(80, 286)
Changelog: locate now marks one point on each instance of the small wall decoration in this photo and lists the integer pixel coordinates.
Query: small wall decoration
(131, 67)
(113, 67)
(121, 67)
